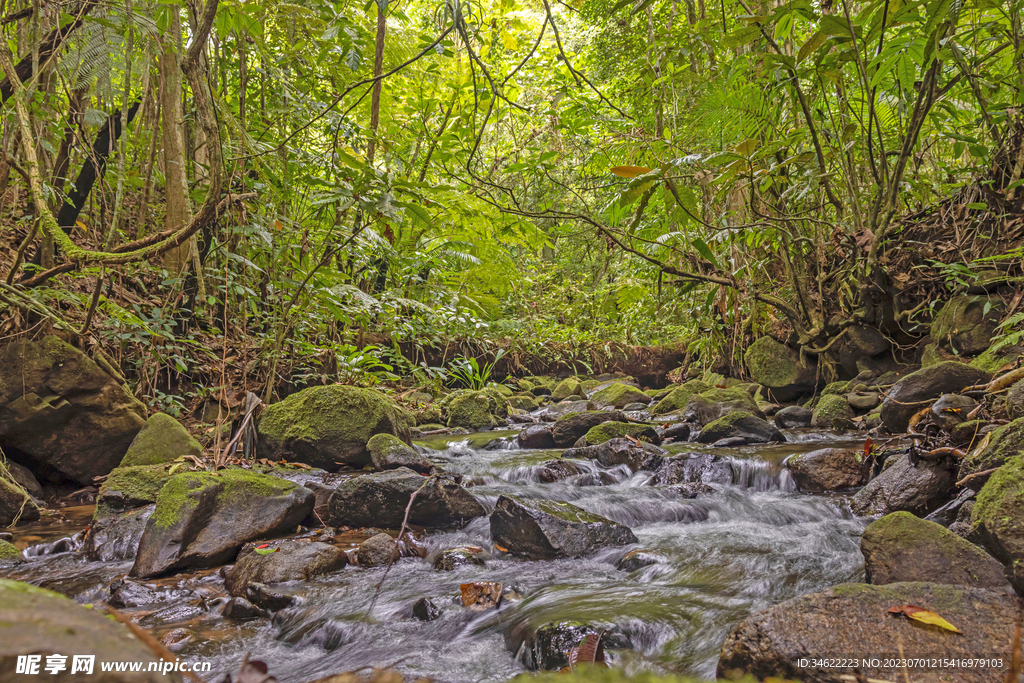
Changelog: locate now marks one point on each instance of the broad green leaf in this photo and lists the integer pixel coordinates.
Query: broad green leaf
(704, 250)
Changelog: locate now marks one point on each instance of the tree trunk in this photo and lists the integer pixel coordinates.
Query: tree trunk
(178, 208)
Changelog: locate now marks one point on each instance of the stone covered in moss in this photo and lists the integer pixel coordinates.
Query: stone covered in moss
(992, 360)
(427, 415)
(9, 553)
(388, 452)
(966, 323)
(525, 402)
(780, 369)
(708, 406)
(329, 426)
(614, 430)
(997, 518)
(548, 529)
(131, 487)
(15, 504)
(473, 411)
(567, 387)
(35, 620)
(1006, 442)
(202, 519)
(162, 440)
(571, 426)
(902, 547)
(833, 412)
(677, 398)
(740, 424)
(619, 395)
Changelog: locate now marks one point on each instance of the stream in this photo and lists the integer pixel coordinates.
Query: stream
(723, 555)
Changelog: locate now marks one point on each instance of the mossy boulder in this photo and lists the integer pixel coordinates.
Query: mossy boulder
(16, 504)
(473, 411)
(993, 360)
(833, 412)
(527, 402)
(388, 452)
(913, 392)
(901, 547)
(997, 518)
(202, 519)
(292, 560)
(161, 440)
(708, 406)
(780, 369)
(677, 398)
(619, 451)
(34, 620)
(851, 620)
(548, 529)
(615, 430)
(571, 426)
(905, 487)
(1006, 442)
(829, 469)
(329, 426)
(427, 415)
(741, 424)
(9, 553)
(131, 487)
(966, 323)
(933, 354)
(567, 387)
(59, 408)
(619, 395)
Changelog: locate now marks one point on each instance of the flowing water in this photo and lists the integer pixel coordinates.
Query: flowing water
(723, 555)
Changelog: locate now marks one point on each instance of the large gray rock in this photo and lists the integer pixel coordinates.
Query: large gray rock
(116, 537)
(713, 404)
(16, 505)
(852, 620)
(202, 519)
(378, 550)
(614, 452)
(750, 428)
(571, 426)
(35, 621)
(296, 560)
(536, 436)
(780, 369)
(793, 417)
(997, 519)
(329, 426)
(866, 341)
(904, 487)
(388, 452)
(901, 547)
(380, 499)
(965, 326)
(545, 529)
(829, 469)
(702, 467)
(918, 389)
(59, 408)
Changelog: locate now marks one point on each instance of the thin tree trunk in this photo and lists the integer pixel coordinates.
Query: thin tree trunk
(178, 208)
(378, 69)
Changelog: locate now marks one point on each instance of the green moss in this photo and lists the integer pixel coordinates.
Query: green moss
(991, 360)
(776, 365)
(567, 387)
(386, 445)
(677, 398)
(834, 388)
(1001, 499)
(1006, 442)
(833, 411)
(176, 501)
(8, 551)
(127, 487)
(524, 402)
(908, 531)
(615, 430)
(566, 511)
(10, 586)
(474, 410)
(427, 415)
(162, 440)
(618, 395)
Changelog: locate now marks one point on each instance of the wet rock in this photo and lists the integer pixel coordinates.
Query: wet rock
(16, 504)
(328, 426)
(997, 518)
(268, 599)
(1006, 442)
(730, 442)
(116, 537)
(616, 430)
(676, 432)
(951, 409)
(716, 403)
(177, 639)
(557, 410)
(1014, 401)
(554, 641)
(904, 487)
(740, 424)
(638, 559)
(161, 440)
(380, 499)
(851, 620)
(689, 491)
(966, 324)
(59, 408)
(572, 426)
(9, 553)
(202, 519)
(913, 392)
(34, 620)
(793, 417)
(557, 470)
(536, 436)
(321, 497)
(379, 550)
(702, 467)
(388, 452)
(25, 479)
(832, 412)
(458, 557)
(829, 469)
(126, 594)
(566, 388)
(544, 529)
(619, 395)
(780, 369)
(901, 547)
(130, 487)
(677, 399)
(241, 609)
(864, 401)
(620, 452)
(425, 610)
(296, 560)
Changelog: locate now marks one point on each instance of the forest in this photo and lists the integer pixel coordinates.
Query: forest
(471, 340)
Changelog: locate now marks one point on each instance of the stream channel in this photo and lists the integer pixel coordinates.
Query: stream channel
(750, 543)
